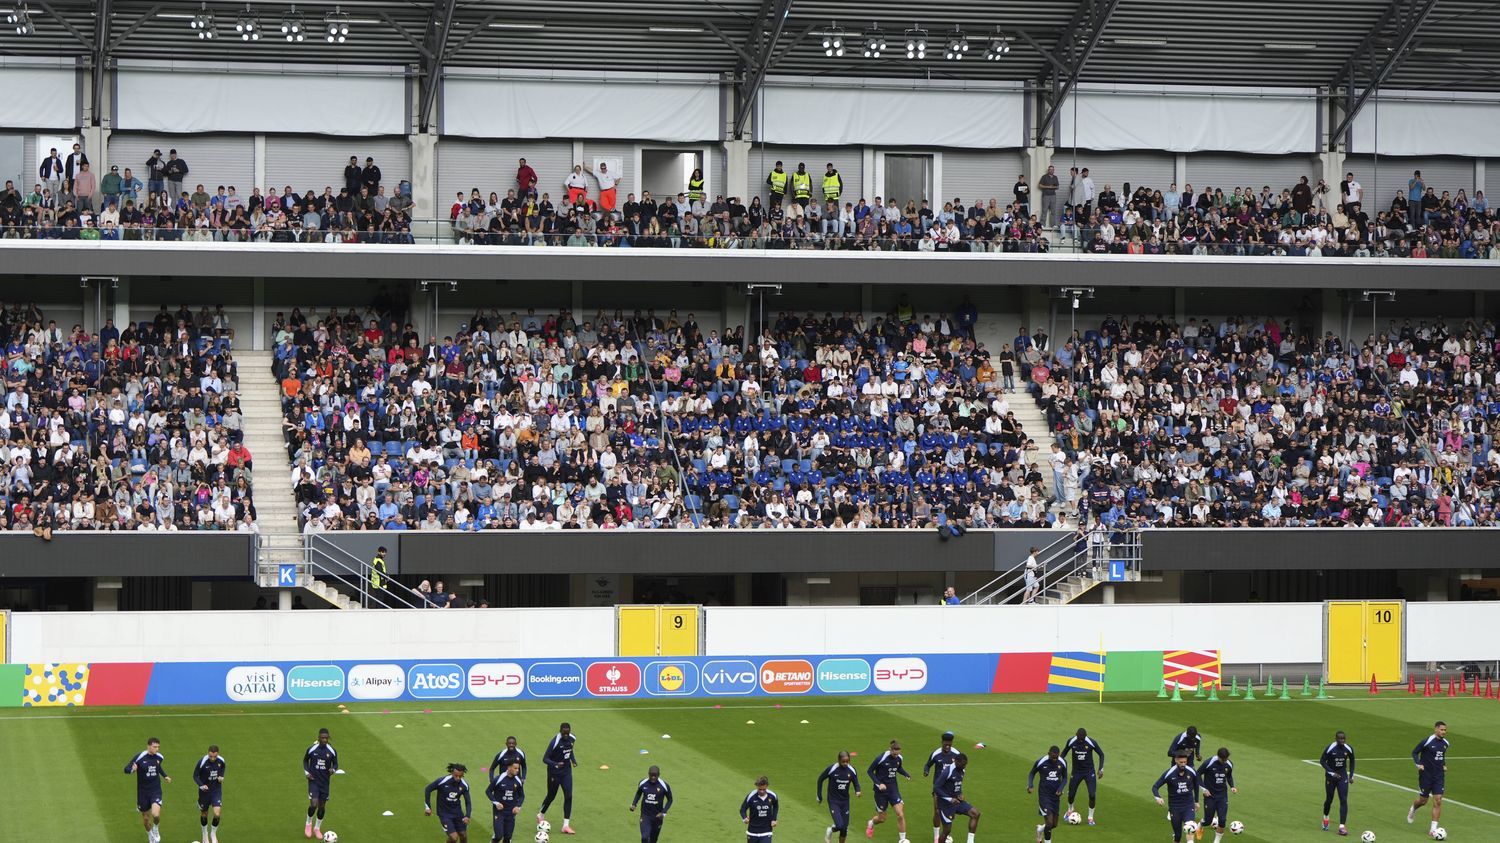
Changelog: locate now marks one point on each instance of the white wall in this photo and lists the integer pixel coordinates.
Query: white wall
(291, 636)
(1437, 632)
(40, 93)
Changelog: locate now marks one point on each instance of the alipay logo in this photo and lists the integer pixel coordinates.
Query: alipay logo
(435, 681)
(843, 676)
(376, 681)
(313, 682)
(729, 677)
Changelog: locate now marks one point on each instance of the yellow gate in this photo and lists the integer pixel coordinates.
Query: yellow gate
(657, 630)
(1364, 639)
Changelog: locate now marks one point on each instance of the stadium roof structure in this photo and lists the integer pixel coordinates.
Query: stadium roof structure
(1342, 45)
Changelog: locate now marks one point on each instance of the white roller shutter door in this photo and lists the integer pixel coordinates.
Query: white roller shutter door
(1152, 169)
(979, 176)
(1440, 174)
(1228, 171)
(315, 163)
(212, 159)
(463, 165)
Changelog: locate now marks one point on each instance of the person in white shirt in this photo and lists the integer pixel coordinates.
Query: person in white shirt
(577, 184)
(607, 182)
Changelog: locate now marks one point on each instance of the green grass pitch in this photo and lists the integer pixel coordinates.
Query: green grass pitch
(713, 755)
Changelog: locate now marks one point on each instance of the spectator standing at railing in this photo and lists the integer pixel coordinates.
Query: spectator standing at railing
(109, 186)
(833, 184)
(607, 186)
(1022, 192)
(352, 175)
(51, 171)
(1048, 185)
(156, 172)
(175, 171)
(84, 186)
(802, 185)
(369, 177)
(577, 185)
(1350, 190)
(525, 179)
(75, 162)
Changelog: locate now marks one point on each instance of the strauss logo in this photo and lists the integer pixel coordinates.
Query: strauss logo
(613, 675)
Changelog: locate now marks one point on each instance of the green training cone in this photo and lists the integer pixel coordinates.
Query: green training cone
(1198, 695)
(1306, 686)
(1161, 693)
(1234, 686)
(1250, 691)
(1285, 693)
(1176, 692)
(1322, 691)
(1213, 692)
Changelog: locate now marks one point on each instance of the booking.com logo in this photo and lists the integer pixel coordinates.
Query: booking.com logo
(554, 679)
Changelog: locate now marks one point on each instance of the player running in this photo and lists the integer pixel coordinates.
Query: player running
(1181, 781)
(560, 763)
(1430, 757)
(948, 790)
(941, 757)
(655, 798)
(1216, 777)
(1080, 750)
(454, 806)
(209, 776)
(758, 812)
(319, 764)
(1188, 740)
(147, 766)
(503, 759)
(883, 772)
(1053, 771)
(1338, 773)
(841, 778)
(507, 792)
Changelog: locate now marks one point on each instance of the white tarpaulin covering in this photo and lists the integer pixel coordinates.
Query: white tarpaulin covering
(620, 106)
(891, 114)
(1262, 121)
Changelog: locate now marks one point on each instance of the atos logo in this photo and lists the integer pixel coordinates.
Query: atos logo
(614, 679)
(790, 676)
(902, 674)
(671, 679)
(496, 680)
(435, 681)
(730, 677)
(554, 679)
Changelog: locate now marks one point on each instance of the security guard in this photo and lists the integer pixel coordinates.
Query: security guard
(833, 184)
(695, 187)
(777, 181)
(802, 185)
(377, 580)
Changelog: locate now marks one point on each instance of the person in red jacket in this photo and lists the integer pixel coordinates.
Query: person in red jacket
(525, 180)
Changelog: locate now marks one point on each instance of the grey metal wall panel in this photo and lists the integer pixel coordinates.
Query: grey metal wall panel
(978, 176)
(1228, 171)
(128, 554)
(212, 159)
(463, 165)
(1392, 174)
(848, 160)
(1152, 169)
(314, 163)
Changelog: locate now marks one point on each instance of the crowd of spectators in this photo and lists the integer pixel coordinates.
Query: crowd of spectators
(133, 429)
(541, 422)
(1261, 422)
(68, 203)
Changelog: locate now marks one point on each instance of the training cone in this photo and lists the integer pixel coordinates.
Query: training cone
(1161, 693)
(1198, 694)
(1489, 688)
(1286, 693)
(1234, 686)
(1374, 688)
(1451, 691)
(1213, 692)
(1427, 686)
(1176, 692)
(1249, 691)
(1461, 682)
(1411, 684)
(1306, 686)
(1271, 689)
(1322, 689)
(1477, 692)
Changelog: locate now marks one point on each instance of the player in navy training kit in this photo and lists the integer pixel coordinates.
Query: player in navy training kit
(1216, 777)
(147, 766)
(560, 763)
(507, 792)
(883, 772)
(1080, 751)
(655, 798)
(1187, 741)
(319, 764)
(1338, 774)
(758, 812)
(504, 757)
(948, 790)
(1181, 781)
(454, 807)
(941, 757)
(1431, 758)
(209, 776)
(1054, 773)
(841, 778)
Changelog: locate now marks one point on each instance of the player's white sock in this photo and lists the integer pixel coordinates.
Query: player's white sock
(937, 834)
(971, 837)
(1434, 825)
(565, 822)
(1411, 813)
(1091, 813)
(901, 836)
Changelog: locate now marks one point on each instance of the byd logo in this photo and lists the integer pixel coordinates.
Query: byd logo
(790, 676)
(731, 677)
(496, 680)
(614, 679)
(435, 681)
(903, 674)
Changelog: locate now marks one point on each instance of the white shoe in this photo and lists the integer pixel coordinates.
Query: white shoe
(213, 835)
(827, 834)
(1411, 815)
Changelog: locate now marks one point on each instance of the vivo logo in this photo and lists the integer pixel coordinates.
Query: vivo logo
(729, 677)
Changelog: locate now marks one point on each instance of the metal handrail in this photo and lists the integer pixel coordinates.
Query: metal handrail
(363, 571)
(1003, 588)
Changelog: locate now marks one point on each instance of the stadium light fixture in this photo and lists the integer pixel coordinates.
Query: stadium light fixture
(517, 25)
(203, 23)
(19, 19)
(247, 25)
(675, 30)
(833, 41)
(874, 42)
(916, 43)
(293, 28)
(336, 24)
(999, 48)
(958, 45)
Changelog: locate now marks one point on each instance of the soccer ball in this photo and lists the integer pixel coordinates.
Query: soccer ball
(1368, 837)
(330, 837)
(1440, 834)
(1073, 818)
(1236, 827)
(542, 836)
(1189, 827)
(543, 825)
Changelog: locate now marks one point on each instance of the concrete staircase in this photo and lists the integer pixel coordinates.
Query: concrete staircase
(275, 505)
(1033, 420)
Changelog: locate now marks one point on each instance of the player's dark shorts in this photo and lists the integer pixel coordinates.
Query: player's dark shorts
(505, 824)
(1178, 816)
(317, 790)
(144, 801)
(839, 811)
(1430, 783)
(650, 823)
(211, 798)
(1047, 804)
(1216, 808)
(452, 824)
(884, 799)
(1089, 780)
(949, 810)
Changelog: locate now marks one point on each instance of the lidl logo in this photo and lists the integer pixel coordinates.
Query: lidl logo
(668, 679)
(843, 676)
(312, 682)
(788, 676)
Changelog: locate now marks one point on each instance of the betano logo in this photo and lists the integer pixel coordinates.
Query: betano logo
(790, 676)
(843, 676)
(729, 677)
(901, 674)
(673, 679)
(496, 680)
(376, 681)
(435, 681)
(314, 682)
(254, 684)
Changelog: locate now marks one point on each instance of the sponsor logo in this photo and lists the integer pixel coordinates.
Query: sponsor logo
(903, 674)
(614, 679)
(435, 681)
(731, 677)
(311, 682)
(668, 679)
(843, 676)
(790, 676)
(554, 679)
(254, 684)
(496, 680)
(376, 681)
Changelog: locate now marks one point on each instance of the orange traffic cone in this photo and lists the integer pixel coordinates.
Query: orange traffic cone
(1476, 692)
(1411, 684)
(1489, 688)
(1461, 688)
(1374, 688)
(1427, 686)
(1451, 691)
